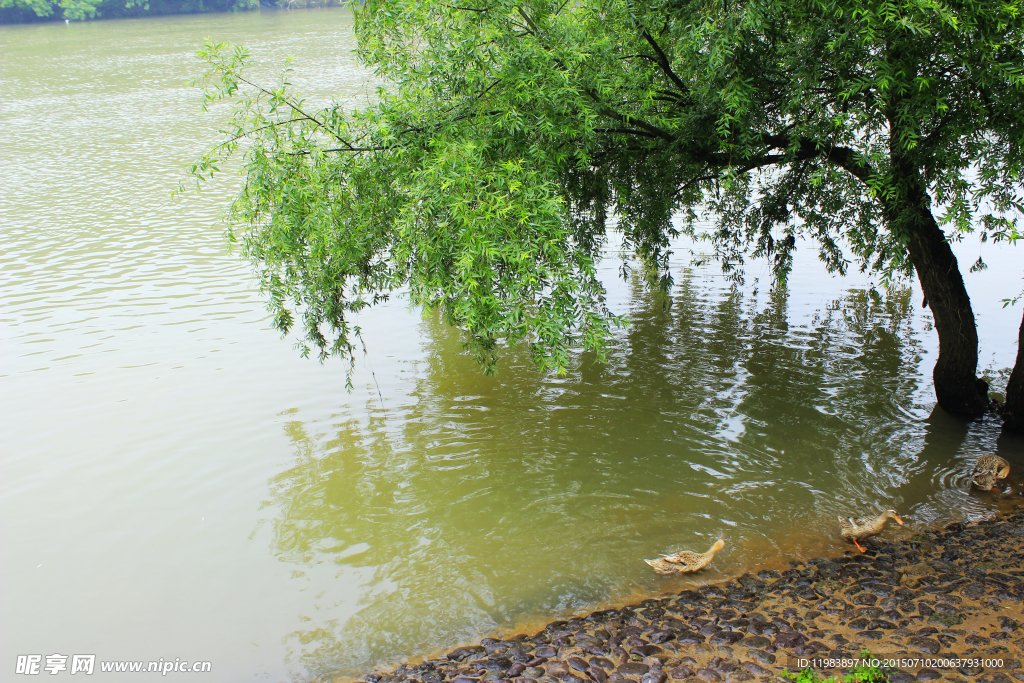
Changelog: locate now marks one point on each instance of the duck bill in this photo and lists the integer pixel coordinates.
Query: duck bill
(899, 519)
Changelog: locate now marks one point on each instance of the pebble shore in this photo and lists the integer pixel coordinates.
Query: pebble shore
(948, 594)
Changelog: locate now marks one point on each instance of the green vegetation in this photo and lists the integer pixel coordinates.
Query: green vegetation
(19, 11)
(860, 674)
(511, 138)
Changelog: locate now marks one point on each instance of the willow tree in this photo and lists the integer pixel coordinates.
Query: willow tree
(510, 137)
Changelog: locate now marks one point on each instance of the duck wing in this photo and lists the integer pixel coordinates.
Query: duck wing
(683, 557)
(663, 566)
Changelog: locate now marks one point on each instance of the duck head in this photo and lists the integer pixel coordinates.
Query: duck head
(892, 514)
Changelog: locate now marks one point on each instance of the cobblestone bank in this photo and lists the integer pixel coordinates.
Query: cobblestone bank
(949, 594)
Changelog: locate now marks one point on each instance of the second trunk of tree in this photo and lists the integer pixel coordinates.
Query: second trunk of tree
(1013, 410)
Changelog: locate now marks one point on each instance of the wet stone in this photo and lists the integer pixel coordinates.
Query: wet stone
(946, 619)
(928, 675)
(681, 672)
(928, 646)
(899, 676)
(761, 657)
(557, 669)
(725, 638)
(632, 669)
(758, 642)
(577, 664)
(970, 670)
(995, 677)
(545, 651)
(726, 666)
(815, 646)
(788, 640)
(463, 652)
(756, 669)
(708, 675)
(973, 591)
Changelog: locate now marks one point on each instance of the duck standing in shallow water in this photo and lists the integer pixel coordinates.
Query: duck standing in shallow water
(685, 561)
(989, 469)
(859, 528)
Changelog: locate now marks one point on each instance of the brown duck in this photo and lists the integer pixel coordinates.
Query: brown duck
(989, 469)
(859, 528)
(685, 561)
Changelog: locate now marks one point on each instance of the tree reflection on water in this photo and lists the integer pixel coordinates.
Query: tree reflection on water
(477, 503)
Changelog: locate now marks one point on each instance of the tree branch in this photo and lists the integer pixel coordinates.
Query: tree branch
(464, 9)
(528, 20)
(628, 131)
(663, 62)
(654, 131)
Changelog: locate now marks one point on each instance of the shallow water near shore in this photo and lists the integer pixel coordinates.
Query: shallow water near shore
(178, 483)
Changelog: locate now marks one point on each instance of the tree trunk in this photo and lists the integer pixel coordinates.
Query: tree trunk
(956, 384)
(1013, 409)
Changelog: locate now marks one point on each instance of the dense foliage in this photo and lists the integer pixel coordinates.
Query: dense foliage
(511, 137)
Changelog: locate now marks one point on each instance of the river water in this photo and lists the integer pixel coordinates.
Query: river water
(178, 483)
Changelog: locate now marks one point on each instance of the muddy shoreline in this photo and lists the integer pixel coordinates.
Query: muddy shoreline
(949, 594)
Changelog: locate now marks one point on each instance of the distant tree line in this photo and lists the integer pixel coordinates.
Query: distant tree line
(24, 11)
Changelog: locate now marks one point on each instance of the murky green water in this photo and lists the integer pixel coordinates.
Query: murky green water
(177, 483)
